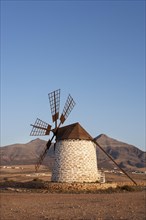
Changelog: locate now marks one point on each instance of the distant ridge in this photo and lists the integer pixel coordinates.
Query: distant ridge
(127, 156)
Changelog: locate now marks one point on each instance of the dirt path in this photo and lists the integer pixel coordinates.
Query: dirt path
(40, 206)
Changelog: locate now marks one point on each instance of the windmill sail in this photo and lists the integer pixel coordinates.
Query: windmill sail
(40, 128)
(69, 105)
(43, 154)
(54, 98)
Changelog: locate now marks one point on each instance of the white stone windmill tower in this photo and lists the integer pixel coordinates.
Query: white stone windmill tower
(75, 156)
(75, 149)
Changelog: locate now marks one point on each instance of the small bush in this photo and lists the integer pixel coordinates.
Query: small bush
(37, 180)
(11, 180)
(127, 188)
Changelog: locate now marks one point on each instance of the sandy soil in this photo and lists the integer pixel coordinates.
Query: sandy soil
(43, 206)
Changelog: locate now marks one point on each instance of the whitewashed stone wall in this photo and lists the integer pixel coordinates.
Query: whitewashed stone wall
(75, 161)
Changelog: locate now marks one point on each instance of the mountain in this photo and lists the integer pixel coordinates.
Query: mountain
(25, 154)
(127, 156)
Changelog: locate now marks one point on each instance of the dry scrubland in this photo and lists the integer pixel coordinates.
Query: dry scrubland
(25, 195)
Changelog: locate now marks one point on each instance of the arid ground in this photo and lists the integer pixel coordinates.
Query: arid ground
(41, 204)
(33, 206)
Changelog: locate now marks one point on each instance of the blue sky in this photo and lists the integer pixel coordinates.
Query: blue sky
(94, 50)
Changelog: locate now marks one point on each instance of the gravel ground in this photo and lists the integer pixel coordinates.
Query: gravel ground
(53, 206)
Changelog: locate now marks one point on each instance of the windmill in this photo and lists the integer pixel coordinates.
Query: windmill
(41, 128)
(75, 149)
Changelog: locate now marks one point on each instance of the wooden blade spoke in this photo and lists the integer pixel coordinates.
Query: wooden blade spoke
(43, 154)
(54, 98)
(40, 128)
(69, 105)
(110, 157)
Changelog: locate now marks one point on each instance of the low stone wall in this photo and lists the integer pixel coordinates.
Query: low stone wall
(50, 187)
(79, 187)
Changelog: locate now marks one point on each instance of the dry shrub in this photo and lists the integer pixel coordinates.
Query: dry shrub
(127, 188)
(37, 180)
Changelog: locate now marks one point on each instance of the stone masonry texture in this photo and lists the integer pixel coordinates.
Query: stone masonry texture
(75, 161)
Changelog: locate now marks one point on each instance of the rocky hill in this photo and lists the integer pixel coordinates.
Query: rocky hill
(127, 156)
